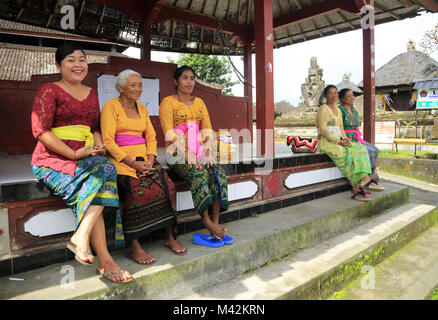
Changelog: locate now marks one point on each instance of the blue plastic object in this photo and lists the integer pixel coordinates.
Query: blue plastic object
(226, 239)
(207, 241)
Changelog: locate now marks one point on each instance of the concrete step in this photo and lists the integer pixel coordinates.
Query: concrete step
(411, 273)
(319, 271)
(258, 240)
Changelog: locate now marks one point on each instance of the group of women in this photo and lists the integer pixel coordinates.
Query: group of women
(98, 161)
(339, 137)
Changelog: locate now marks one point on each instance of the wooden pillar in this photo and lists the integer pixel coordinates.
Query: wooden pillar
(145, 50)
(247, 73)
(264, 37)
(369, 81)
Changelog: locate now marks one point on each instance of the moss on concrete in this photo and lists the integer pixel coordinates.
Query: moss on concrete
(417, 169)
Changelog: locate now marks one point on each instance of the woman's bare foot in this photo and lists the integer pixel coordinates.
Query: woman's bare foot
(83, 251)
(113, 271)
(175, 246)
(359, 196)
(216, 230)
(367, 179)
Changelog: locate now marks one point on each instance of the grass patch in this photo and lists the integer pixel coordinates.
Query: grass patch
(434, 295)
(388, 153)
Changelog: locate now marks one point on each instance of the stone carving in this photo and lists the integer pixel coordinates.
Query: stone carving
(313, 88)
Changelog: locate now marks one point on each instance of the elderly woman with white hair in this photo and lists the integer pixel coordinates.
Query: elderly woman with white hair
(146, 193)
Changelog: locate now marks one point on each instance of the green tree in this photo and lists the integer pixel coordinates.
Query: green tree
(209, 68)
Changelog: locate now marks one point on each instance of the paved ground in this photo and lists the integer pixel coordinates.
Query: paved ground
(410, 273)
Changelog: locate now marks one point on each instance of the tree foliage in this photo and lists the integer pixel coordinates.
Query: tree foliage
(209, 68)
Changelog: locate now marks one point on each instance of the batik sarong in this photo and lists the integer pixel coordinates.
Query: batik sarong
(148, 203)
(94, 183)
(206, 186)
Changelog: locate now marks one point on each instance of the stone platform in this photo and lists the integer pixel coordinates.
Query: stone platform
(36, 225)
(259, 241)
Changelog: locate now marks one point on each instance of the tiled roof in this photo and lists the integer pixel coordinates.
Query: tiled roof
(20, 63)
(15, 26)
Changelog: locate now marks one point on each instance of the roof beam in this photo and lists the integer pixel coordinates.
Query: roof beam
(407, 3)
(199, 20)
(432, 5)
(314, 11)
(136, 9)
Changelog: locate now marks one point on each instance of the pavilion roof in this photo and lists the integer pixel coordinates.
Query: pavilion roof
(192, 25)
(20, 63)
(405, 69)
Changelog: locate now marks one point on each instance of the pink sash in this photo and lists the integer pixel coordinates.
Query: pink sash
(128, 139)
(192, 130)
(358, 134)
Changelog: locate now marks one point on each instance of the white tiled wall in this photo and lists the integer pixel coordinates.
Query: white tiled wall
(300, 179)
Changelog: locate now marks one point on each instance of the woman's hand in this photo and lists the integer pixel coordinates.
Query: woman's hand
(147, 167)
(142, 168)
(192, 160)
(99, 149)
(344, 142)
(82, 153)
(207, 159)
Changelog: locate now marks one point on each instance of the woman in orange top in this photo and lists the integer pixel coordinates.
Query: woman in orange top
(185, 118)
(146, 192)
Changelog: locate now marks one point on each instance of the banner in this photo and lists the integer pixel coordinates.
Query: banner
(150, 96)
(427, 98)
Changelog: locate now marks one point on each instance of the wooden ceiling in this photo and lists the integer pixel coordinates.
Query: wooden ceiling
(206, 26)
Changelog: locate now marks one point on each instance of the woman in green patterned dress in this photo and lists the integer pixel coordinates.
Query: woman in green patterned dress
(351, 124)
(351, 158)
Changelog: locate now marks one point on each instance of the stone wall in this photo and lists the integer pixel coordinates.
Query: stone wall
(421, 169)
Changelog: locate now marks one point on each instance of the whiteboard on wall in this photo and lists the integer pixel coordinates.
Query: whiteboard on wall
(150, 97)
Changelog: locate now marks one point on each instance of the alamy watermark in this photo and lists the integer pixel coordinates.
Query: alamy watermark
(367, 281)
(68, 20)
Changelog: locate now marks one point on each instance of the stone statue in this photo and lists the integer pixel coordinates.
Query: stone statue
(312, 89)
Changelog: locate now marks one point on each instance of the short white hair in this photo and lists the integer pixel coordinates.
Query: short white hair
(123, 77)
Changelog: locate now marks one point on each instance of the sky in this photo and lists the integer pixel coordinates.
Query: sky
(336, 55)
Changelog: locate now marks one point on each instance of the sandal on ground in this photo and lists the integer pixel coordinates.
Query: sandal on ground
(211, 242)
(226, 239)
(362, 193)
(136, 258)
(75, 249)
(367, 186)
(171, 247)
(110, 275)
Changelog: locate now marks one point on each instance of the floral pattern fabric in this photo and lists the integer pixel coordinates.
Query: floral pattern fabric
(94, 183)
(351, 122)
(353, 161)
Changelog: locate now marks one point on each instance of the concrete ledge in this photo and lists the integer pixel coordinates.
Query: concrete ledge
(318, 272)
(257, 240)
(421, 169)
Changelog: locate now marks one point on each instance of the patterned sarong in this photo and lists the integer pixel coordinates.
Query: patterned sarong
(207, 185)
(94, 183)
(148, 203)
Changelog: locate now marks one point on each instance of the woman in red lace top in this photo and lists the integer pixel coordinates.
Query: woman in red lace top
(69, 157)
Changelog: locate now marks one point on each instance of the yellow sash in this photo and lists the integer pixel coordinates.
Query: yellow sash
(76, 133)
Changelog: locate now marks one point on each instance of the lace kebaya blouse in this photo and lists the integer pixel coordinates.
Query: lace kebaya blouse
(55, 107)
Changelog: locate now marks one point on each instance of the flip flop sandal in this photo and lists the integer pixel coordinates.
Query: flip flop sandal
(74, 248)
(375, 188)
(362, 193)
(133, 257)
(176, 252)
(211, 242)
(226, 239)
(113, 273)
